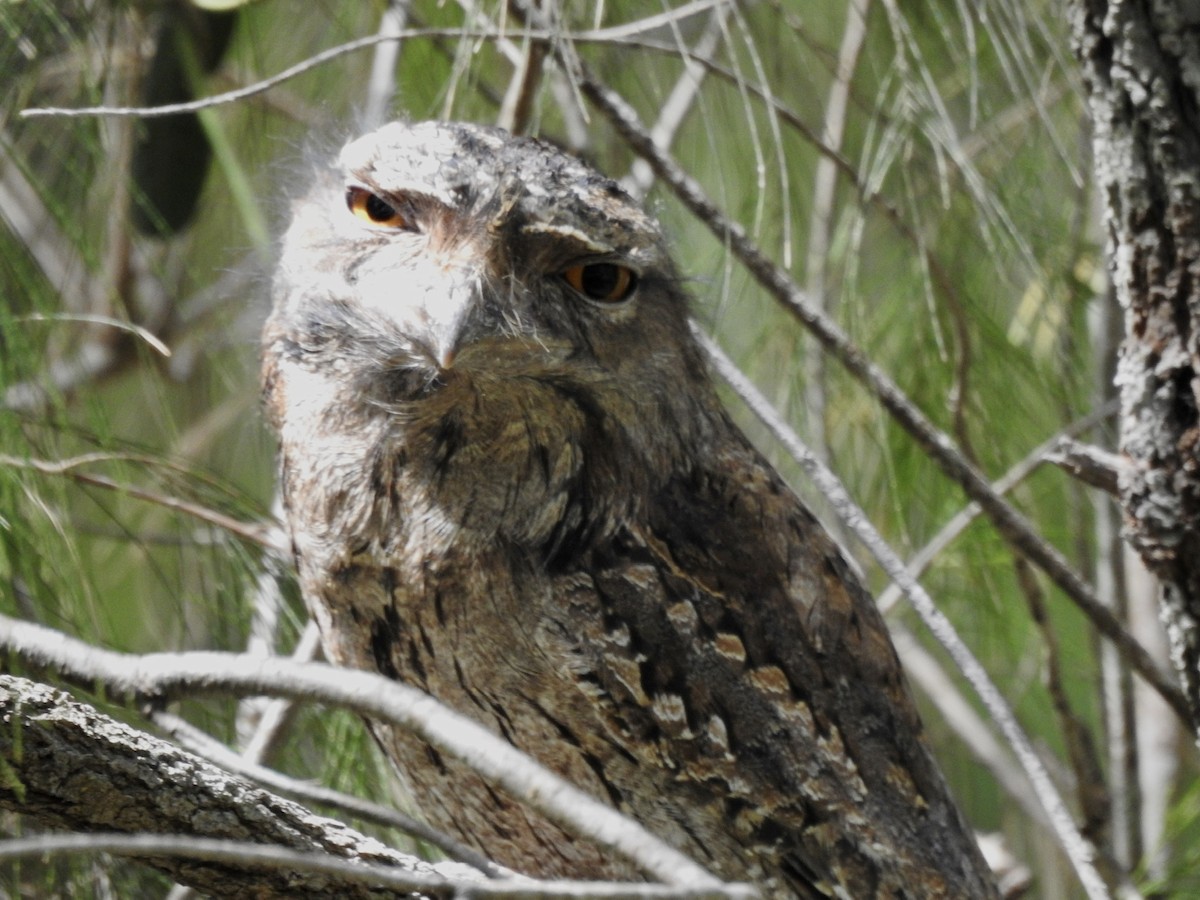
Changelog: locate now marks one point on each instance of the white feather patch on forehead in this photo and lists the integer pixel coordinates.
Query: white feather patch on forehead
(417, 159)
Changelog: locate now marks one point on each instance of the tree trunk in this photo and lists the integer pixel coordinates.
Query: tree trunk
(1141, 65)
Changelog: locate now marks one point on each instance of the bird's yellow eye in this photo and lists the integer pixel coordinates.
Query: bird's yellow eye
(374, 209)
(602, 282)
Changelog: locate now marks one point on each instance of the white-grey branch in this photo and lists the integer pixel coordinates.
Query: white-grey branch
(67, 765)
(161, 676)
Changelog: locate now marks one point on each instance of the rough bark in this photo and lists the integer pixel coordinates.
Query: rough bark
(1141, 65)
(66, 765)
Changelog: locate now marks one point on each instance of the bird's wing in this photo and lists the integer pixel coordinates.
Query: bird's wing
(730, 643)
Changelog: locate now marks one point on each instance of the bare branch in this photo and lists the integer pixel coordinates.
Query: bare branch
(972, 728)
(619, 34)
(1090, 464)
(262, 721)
(202, 744)
(821, 218)
(160, 676)
(286, 862)
(516, 109)
(70, 766)
(250, 90)
(381, 86)
(958, 523)
(1091, 791)
(683, 95)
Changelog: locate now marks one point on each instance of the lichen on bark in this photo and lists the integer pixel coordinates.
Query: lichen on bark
(1141, 66)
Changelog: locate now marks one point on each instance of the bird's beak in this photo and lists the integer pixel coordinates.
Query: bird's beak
(439, 307)
(449, 312)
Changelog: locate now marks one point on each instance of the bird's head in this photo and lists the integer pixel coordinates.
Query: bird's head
(441, 247)
(496, 308)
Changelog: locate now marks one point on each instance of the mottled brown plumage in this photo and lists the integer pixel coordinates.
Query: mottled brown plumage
(510, 483)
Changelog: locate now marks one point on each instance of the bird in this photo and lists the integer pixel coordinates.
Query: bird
(510, 482)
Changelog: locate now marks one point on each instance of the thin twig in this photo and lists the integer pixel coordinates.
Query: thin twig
(1091, 790)
(263, 534)
(1090, 464)
(619, 34)
(516, 110)
(202, 744)
(962, 717)
(958, 523)
(821, 217)
(675, 107)
(109, 321)
(250, 90)
(275, 713)
(381, 85)
(285, 859)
